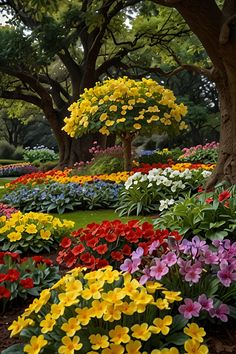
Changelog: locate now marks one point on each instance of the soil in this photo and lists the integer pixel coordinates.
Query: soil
(221, 339)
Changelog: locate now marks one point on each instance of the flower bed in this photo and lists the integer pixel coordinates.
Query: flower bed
(207, 153)
(7, 210)
(59, 197)
(157, 190)
(107, 243)
(105, 312)
(17, 169)
(32, 231)
(24, 277)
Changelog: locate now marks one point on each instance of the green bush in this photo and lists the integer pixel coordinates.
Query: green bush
(103, 164)
(18, 153)
(160, 156)
(6, 150)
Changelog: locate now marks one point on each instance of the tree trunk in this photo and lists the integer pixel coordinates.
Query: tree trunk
(127, 140)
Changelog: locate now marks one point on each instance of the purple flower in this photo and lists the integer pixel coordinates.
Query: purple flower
(159, 269)
(144, 278)
(153, 246)
(193, 274)
(137, 254)
(190, 309)
(221, 312)
(130, 266)
(209, 257)
(170, 259)
(226, 274)
(206, 303)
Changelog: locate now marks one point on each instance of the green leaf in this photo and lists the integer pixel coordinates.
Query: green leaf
(14, 349)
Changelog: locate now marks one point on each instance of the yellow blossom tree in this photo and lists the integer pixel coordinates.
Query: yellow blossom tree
(125, 107)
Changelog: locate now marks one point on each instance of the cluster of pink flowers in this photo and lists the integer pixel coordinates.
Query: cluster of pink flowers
(115, 150)
(189, 151)
(7, 210)
(192, 262)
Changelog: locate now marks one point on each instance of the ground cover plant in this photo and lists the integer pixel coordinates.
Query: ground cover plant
(210, 215)
(7, 210)
(204, 274)
(105, 311)
(22, 277)
(39, 153)
(158, 189)
(160, 156)
(35, 232)
(207, 153)
(17, 169)
(108, 243)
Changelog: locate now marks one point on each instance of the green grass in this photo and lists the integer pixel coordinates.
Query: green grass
(10, 162)
(84, 217)
(3, 181)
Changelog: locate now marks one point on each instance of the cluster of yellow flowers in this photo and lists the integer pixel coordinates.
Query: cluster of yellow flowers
(125, 105)
(105, 312)
(32, 229)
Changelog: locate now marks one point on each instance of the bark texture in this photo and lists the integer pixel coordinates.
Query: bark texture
(127, 141)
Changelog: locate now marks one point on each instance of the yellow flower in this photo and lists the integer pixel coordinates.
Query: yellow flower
(31, 229)
(161, 304)
(114, 349)
(137, 126)
(57, 310)
(161, 325)
(14, 236)
(141, 331)
(36, 344)
(74, 285)
(112, 313)
(47, 324)
(103, 117)
(195, 332)
(104, 131)
(172, 350)
(114, 296)
(172, 296)
(17, 326)
(98, 341)
(133, 347)
(109, 123)
(121, 120)
(113, 108)
(70, 345)
(193, 347)
(152, 286)
(68, 299)
(98, 308)
(93, 291)
(127, 308)
(71, 326)
(119, 334)
(45, 234)
(84, 315)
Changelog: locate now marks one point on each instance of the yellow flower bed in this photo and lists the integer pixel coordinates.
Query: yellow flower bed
(32, 231)
(105, 312)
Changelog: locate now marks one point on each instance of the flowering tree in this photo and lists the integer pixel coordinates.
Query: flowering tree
(125, 107)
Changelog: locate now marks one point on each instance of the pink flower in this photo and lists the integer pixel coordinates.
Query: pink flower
(170, 259)
(159, 270)
(130, 266)
(221, 312)
(206, 303)
(226, 274)
(190, 309)
(193, 274)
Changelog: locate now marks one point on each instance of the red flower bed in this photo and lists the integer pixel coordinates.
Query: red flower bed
(109, 243)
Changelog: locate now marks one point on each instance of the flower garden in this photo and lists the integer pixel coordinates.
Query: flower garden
(154, 283)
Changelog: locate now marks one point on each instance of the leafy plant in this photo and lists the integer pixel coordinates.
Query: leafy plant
(39, 154)
(24, 277)
(32, 231)
(207, 153)
(204, 214)
(103, 311)
(162, 156)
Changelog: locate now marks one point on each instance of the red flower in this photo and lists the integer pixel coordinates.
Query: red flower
(223, 196)
(92, 242)
(126, 250)
(78, 249)
(13, 275)
(117, 255)
(37, 259)
(47, 261)
(209, 200)
(200, 189)
(27, 283)
(226, 204)
(101, 249)
(66, 242)
(111, 237)
(2, 277)
(102, 263)
(4, 292)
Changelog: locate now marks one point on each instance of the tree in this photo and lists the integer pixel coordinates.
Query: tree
(125, 107)
(214, 23)
(54, 50)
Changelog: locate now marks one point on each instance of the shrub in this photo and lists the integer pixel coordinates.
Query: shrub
(107, 243)
(6, 150)
(24, 277)
(105, 312)
(157, 190)
(163, 156)
(102, 164)
(61, 197)
(204, 214)
(18, 153)
(205, 275)
(207, 153)
(32, 231)
(40, 154)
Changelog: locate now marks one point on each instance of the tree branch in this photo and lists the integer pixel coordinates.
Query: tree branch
(17, 95)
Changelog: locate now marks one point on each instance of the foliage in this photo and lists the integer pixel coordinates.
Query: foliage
(107, 243)
(39, 153)
(17, 169)
(157, 190)
(6, 150)
(102, 164)
(210, 215)
(60, 197)
(205, 275)
(102, 311)
(24, 277)
(162, 156)
(205, 154)
(125, 105)
(6, 210)
(32, 232)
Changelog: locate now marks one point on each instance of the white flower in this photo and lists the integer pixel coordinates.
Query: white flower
(206, 174)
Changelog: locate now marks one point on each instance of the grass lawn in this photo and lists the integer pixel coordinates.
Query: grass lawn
(84, 217)
(3, 181)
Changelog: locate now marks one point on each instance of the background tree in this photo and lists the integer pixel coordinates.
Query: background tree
(61, 47)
